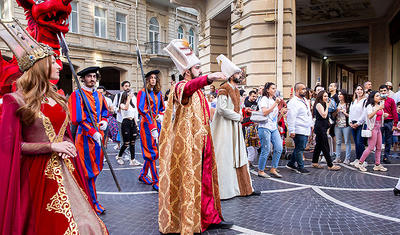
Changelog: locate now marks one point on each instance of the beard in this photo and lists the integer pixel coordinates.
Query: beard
(193, 76)
(302, 95)
(237, 80)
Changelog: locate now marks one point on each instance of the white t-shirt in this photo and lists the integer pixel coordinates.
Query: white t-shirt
(130, 113)
(272, 123)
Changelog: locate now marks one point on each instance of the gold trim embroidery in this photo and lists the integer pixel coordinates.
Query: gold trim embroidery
(59, 202)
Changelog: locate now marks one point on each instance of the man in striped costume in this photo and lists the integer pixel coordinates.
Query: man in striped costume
(88, 138)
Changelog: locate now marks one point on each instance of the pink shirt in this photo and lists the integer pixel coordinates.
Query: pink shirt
(379, 115)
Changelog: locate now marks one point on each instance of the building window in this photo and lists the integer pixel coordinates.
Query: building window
(180, 32)
(191, 38)
(120, 22)
(73, 18)
(100, 22)
(154, 34)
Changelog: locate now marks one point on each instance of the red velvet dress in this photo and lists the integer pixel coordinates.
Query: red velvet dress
(41, 192)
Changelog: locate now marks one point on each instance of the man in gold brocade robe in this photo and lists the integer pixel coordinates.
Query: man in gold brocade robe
(188, 195)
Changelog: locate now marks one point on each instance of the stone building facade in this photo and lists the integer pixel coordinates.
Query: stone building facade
(105, 33)
(309, 41)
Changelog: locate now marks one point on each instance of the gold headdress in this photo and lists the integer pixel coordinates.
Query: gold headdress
(25, 48)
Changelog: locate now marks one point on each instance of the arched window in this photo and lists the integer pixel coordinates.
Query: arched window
(191, 38)
(154, 34)
(180, 32)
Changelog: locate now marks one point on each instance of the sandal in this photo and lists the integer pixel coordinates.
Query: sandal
(334, 168)
(263, 175)
(316, 165)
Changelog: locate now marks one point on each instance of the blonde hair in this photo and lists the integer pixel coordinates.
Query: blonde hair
(35, 84)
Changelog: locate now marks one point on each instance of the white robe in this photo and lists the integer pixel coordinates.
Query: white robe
(229, 147)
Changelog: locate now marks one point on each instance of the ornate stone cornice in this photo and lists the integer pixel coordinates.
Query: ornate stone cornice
(199, 5)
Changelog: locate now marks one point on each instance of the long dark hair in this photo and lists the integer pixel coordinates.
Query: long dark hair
(266, 88)
(124, 97)
(319, 98)
(370, 99)
(344, 94)
(157, 87)
(308, 95)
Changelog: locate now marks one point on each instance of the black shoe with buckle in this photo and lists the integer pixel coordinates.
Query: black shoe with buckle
(221, 225)
(255, 193)
(396, 192)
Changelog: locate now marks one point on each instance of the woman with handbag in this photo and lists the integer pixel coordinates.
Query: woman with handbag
(374, 121)
(268, 131)
(321, 127)
(356, 118)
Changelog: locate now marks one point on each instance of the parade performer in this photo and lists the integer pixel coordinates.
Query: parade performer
(149, 129)
(43, 31)
(189, 196)
(88, 140)
(230, 148)
(42, 190)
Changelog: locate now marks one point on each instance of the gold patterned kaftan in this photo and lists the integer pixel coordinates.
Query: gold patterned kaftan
(183, 139)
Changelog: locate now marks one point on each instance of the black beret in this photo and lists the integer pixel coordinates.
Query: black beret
(88, 70)
(156, 72)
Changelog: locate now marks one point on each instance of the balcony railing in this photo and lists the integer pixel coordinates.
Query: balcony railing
(155, 48)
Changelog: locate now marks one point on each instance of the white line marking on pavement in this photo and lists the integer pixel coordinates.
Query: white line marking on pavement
(247, 231)
(127, 193)
(284, 190)
(327, 187)
(348, 206)
(368, 173)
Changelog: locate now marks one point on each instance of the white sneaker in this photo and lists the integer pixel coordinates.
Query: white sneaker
(116, 147)
(337, 160)
(134, 162)
(355, 162)
(362, 168)
(126, 157)
(346, 161)
(120, 161)
(323, 159)
(379, 168)
(383, 146)
(365, 164)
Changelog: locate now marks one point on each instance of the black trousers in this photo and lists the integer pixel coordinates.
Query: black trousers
(321, 144)
(387, 133)
(129, 133)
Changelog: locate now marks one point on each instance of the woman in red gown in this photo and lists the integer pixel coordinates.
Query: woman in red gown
(42, 190)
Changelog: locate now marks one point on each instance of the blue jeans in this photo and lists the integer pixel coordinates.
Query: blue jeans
(358, 141)
(345, 131)
(266, 137)
(300, 142)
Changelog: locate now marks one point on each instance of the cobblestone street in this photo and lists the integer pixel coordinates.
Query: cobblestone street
(324, 202)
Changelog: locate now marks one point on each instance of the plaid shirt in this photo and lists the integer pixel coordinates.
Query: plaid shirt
(251, 136)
